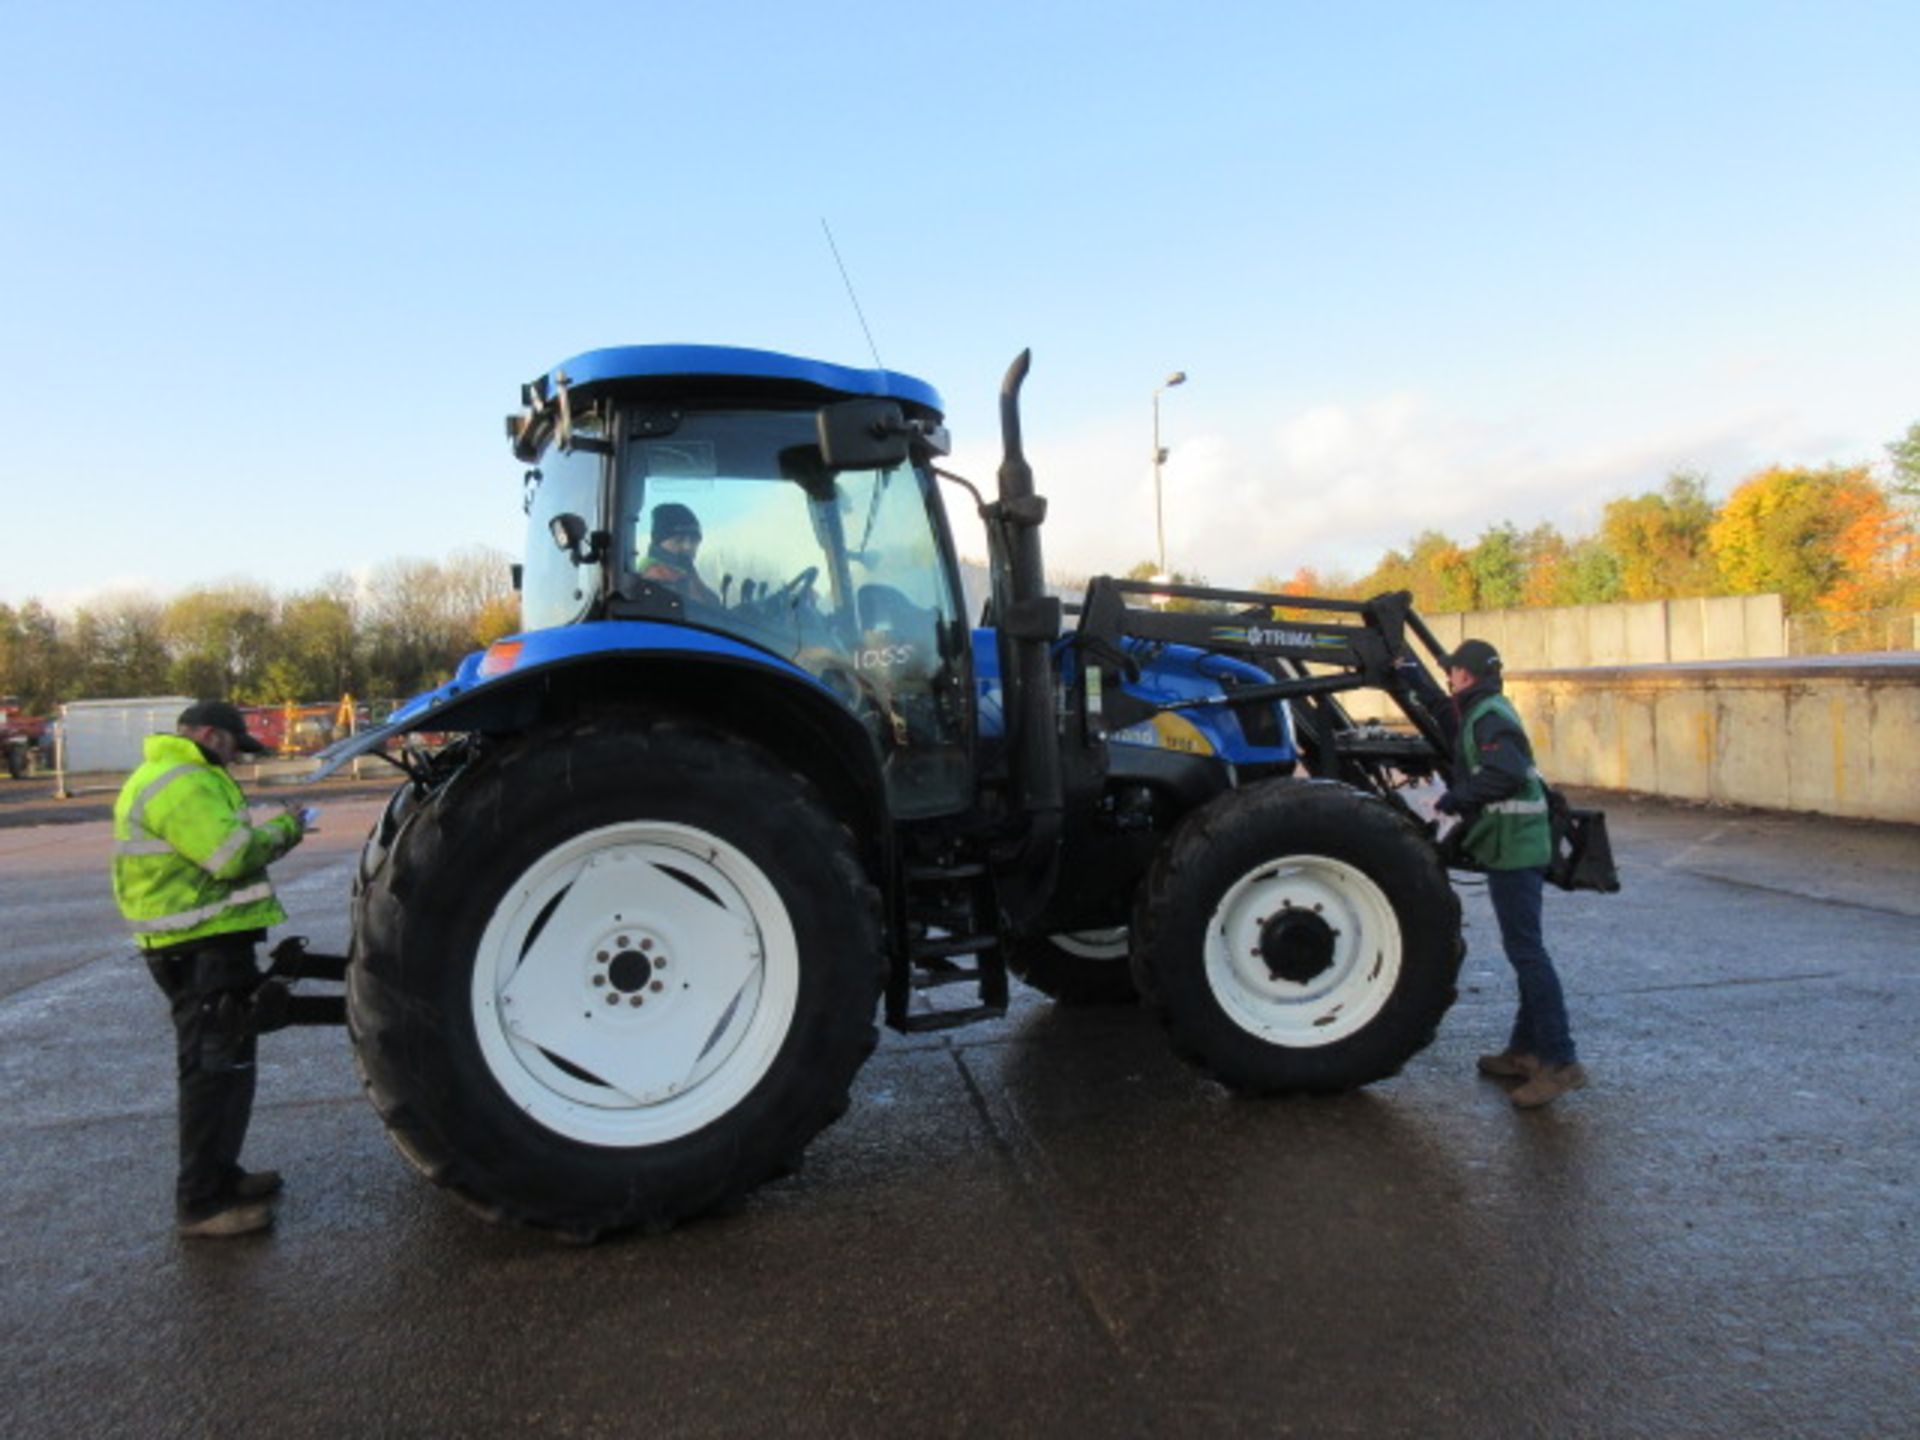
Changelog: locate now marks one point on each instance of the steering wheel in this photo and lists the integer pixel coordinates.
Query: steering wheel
(794, 588)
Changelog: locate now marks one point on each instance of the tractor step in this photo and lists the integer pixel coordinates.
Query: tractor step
(927, 949)
(943, 972)
(937, 874)
(950, 906)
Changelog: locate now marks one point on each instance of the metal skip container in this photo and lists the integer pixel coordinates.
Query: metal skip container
(106, 735)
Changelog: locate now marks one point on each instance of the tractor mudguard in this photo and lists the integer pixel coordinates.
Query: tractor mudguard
(491, 687)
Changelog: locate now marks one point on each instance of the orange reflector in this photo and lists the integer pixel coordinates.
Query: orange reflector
(500, 658)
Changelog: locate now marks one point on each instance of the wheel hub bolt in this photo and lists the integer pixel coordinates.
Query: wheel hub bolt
(599, 979)
(656, 987)
(613, 999)
(638, 1001)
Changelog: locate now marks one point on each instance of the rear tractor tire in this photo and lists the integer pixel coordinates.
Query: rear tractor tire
(1081, 967)
(1298, 936)
(615, 974)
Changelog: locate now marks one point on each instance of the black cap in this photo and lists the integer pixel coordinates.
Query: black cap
(219, 715)
(674, 519)
(1477, 658)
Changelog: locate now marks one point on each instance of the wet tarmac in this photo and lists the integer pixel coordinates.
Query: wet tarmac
(1050, 1225)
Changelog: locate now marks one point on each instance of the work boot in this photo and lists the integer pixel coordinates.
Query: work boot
(1548, 1084)
(257, 1184)
(1507, 1065)
(246, 1219)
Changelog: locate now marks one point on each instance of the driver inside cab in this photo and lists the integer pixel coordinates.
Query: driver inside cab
(671, 552)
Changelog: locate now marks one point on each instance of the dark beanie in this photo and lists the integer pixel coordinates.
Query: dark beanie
(674, 519)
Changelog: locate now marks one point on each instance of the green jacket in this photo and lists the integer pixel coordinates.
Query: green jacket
(1511, 833)
(187, 860)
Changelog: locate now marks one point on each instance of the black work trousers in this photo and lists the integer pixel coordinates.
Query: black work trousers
(208, 985)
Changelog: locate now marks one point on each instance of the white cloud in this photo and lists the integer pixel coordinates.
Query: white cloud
(1336, 486)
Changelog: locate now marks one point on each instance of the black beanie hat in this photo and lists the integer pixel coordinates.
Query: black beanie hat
(674, 519)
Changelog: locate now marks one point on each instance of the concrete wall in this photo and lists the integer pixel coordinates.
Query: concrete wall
(1838, 735)
(1652, 632)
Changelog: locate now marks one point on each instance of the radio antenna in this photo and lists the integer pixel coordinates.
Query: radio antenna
(847, 280)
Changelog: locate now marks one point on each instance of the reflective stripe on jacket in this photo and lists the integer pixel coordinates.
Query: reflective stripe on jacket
(1510, 834)
(188, 862)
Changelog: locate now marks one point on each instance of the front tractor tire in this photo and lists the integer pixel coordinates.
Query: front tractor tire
(1298, 936)
(614, 974)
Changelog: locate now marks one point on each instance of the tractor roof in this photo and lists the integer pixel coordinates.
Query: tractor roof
(675, 365)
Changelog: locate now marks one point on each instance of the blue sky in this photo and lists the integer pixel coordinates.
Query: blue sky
(270, 278)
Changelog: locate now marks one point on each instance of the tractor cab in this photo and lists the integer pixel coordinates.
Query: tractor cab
(786, 504)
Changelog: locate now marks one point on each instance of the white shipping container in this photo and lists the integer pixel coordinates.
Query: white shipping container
(107, 734)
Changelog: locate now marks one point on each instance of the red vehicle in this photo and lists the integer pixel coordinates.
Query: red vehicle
(302, 729)
(20, 736)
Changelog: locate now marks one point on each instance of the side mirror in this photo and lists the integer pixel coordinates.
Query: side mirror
(863, 435)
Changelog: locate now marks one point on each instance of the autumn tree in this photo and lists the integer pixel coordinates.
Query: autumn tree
(1434, 568)
(420, 617)
(1497, 565)
(9, 641)
(1546, 562)
(1593, 574)
(480, 588)
(1393, 572)
(1905, 455)
(120, 648)
(413, 635)
(1814, 535)
(1308, 581)
(1660, 540)
(219, 640)
(316, 645)
(39, 659)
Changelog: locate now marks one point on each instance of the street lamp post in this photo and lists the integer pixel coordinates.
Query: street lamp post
(1178, 377)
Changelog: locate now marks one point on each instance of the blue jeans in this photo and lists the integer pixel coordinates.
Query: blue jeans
(1540, 1028)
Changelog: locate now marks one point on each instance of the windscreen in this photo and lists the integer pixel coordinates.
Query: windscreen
(553, 589)
(732, 513)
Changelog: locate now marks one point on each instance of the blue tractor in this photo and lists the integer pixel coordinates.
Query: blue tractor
(750, 774)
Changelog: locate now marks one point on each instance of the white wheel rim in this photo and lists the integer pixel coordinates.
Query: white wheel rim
(635, 984)
(1362, 955)
(1110, 944)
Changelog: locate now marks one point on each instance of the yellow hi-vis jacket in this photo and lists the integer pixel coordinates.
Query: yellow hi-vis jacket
(187, 860)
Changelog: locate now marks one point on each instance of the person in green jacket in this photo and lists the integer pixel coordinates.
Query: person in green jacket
(190, 878)
(1502, 802)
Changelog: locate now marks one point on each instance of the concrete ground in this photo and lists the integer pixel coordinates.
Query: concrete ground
(1049, 1225)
